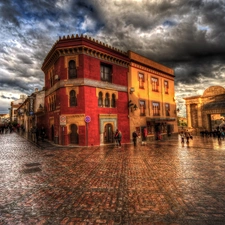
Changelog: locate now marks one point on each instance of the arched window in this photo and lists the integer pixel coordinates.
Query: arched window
(113, 102)
(100, 99)
(72, 69)
(107, 100)
(73, 98)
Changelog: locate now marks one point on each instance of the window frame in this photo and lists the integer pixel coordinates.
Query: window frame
(156, 108)
(100, 99)
(155, 84)
(107, 100)
(166, 86)
(141, 79)
(73, 98)
(72, 71)
(113, 101)
(167, 109)
(104, 75)
(142, 107)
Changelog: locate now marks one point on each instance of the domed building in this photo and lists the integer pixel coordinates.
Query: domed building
(206, 111)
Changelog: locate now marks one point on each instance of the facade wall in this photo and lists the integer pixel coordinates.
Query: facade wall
(202, 110)
(87, 85)
(89, 57)
(147, 93)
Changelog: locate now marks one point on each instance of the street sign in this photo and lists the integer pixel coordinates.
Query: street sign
(63, 120)
(87, 119)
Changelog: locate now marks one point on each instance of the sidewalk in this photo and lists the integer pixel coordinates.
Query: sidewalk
(160, 183)
(46, 144)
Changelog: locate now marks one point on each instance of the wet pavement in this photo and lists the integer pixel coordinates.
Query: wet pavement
(160, 183)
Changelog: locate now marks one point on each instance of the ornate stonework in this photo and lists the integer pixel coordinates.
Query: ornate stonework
(201, 108)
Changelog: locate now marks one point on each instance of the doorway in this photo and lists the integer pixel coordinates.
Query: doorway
(74, 136)
(108, 134)
(52, 133)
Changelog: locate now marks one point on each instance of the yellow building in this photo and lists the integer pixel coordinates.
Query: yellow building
(152, 107)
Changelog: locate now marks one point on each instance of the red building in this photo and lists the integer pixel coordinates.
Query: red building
(86, 92)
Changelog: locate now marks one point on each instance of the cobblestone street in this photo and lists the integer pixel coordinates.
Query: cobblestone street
(160, 183)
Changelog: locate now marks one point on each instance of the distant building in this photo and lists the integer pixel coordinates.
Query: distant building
(31, 113)
(14, 106)
(4, 118)
(206, 111)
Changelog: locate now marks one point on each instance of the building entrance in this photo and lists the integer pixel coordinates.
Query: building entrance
(108, 134)
(74, 137)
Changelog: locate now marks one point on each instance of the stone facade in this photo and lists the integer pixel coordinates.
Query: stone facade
(206, 111)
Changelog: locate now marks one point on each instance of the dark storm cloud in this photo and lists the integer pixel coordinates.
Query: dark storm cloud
(186, 35)
(24, 59)
(9, 13)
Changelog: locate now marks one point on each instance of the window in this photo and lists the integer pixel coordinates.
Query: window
(155, 84)
(52, 103)
(156, 108)
(113, 102)
(167, 109)
(73, 98)
(141, 80)
(142, 107)
(166, 86)
(106, 73)
(100, 99)
(72, 69)
(51, 79)
(107, 100)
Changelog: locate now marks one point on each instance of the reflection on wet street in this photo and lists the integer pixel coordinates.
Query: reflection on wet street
(163, 182)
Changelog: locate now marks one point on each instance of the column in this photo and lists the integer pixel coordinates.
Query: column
(188, 113)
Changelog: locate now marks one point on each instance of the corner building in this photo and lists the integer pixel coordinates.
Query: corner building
(92, 89)
(86, 96)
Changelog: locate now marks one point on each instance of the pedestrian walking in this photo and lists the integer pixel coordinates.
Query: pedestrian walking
(135, 136)
(182, 137)
(33, 133)
(37, 134)
(118, 138)
(42, 133)
(187, 136)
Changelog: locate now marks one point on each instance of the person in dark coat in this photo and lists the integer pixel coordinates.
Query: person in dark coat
(135, 135)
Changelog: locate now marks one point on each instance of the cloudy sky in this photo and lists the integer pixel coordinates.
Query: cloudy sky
(186, 35)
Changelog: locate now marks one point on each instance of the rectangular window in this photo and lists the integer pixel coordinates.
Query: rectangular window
(156, 108)
(106, 72)
(142, 107)
(51, 78)
(167, 109)
(166, 86)
(141, 79)
(155, 84)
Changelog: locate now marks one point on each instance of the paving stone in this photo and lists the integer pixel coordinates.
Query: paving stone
(161, 183)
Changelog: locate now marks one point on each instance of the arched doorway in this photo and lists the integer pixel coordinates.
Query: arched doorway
(74, 137)
(52, 133)
(108, 133)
